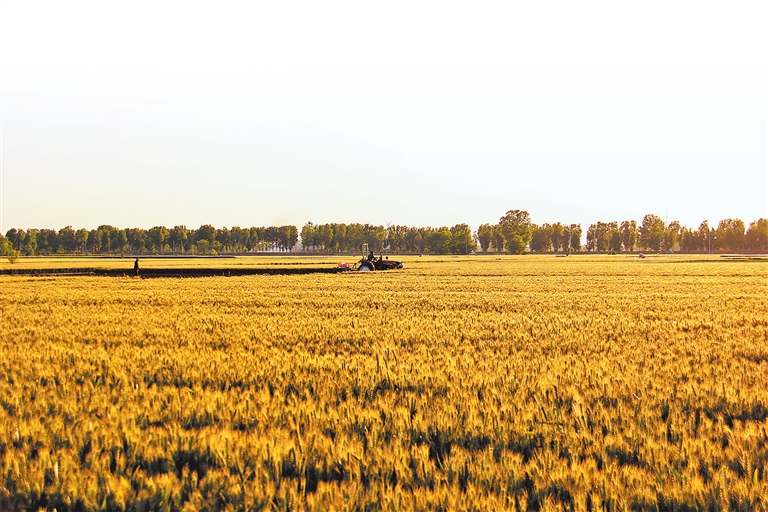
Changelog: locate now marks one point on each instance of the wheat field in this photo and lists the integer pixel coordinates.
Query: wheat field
(486, 383)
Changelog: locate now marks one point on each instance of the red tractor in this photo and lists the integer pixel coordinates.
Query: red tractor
(372, 263)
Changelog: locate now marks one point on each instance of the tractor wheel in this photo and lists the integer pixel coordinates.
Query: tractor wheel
(365, 267)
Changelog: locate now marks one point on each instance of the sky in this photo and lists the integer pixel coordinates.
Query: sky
(417, 113)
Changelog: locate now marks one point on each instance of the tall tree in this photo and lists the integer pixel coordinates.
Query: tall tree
(374, 236)
(223, 238)
(12, 238)
(415, 240)
(205, 232)
(239, 238)
(118, 241)
(651, 232)
(730, 234)
(498, 238)
(628, 230)
(308, 233)
(31, 248)
(703, 237)
(756, 238)
(108, 234)
(575, 230)
(461, 239)
(672, 234)
(484, 236)
(558, 237)
(137, 239)
(179, 238)
(439, 240)
(324, 236)
(67, 241)
(289, 236)
(81, 238)
(614, 244)
(157, 238)
(516, 230)
(541, 240)
(604, 236)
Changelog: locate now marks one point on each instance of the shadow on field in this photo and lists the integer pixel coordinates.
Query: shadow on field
(148, 273)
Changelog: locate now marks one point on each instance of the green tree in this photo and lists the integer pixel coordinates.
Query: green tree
(704, 236)
(515, 244)
(628, 231)
(178, 238)
(224, 239)
(350, 237)
(651, 232)
(254, 237)
(157, 238)
(324, 236)
(558, 237)
(756, 238)
(47, 241)
(731, 234)
(118, 241)
(289, 236)
(205, 232)
(374, 236)
(541, 239)
(396, 237)
(439, 240)
(497, 240)
(672, 234)
(575, 231)
(485, 236)
(203, 246)
(308, 233)
(31, 248)
(81, 238)
(94, 240)
(7, 249)
(67, 241)
(108, 233)
(687, 240)
(517, 230)
(461, 239)
(137, 239)
(614, 244)
(601, 236)
(414, 240)
(239, 238)
(12, 238)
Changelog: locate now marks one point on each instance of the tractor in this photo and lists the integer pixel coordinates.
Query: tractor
(370, 263)
(366, 265)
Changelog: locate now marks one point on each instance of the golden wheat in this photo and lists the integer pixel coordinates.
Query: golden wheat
(461, 384)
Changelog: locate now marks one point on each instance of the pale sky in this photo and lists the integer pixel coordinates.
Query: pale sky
(139, 114)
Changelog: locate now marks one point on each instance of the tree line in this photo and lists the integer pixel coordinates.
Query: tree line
(653, 234)
(516, 234)
(106, 239)
(513, 234)
(332, 238)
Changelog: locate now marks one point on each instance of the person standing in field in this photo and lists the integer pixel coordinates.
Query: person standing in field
(136, 267)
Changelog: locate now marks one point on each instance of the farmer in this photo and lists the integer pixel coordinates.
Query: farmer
(136, 267)
(371, 257)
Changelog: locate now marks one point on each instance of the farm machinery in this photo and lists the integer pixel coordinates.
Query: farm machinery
(370, 263)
